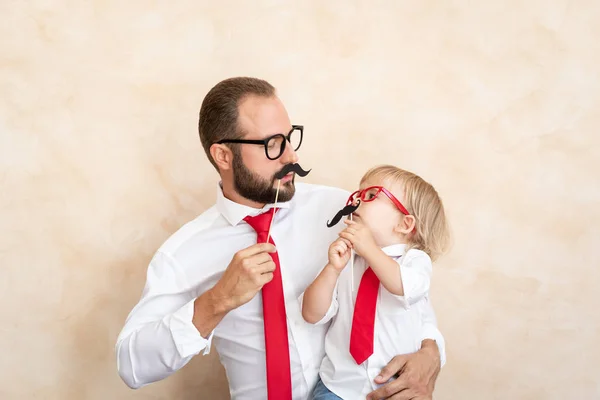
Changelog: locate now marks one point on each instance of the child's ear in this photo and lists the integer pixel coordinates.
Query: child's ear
(406, 225)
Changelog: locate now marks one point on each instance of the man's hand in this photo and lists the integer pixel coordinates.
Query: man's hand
(249, 270)
(417, 373)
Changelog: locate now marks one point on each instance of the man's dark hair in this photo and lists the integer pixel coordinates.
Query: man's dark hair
(218, 117)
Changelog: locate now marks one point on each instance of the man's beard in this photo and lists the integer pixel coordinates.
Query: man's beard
(254, 188)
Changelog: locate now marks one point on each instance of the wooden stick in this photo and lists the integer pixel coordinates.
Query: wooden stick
(351, 264)
(276, 197)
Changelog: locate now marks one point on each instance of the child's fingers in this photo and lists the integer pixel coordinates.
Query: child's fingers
(339, 248)
(350, 230)
(336, 247)
(353, 224)
(342, 246)
(346, 242)
(347, 235)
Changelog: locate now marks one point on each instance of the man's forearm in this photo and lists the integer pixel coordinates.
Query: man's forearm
(209, 310)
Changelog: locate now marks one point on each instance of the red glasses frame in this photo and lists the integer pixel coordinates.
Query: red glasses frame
(361, 194)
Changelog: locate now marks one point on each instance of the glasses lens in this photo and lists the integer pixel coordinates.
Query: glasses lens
(371, 194)
(274, 146)
(352, 199)
(296, 138)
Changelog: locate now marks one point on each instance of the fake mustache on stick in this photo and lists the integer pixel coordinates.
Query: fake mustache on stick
(296, 168)
(349, 209)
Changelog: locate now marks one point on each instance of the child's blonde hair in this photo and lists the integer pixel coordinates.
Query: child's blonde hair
(432, 234)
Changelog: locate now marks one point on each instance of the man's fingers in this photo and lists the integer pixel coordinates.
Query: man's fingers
(266, 267)
(256, 249)
(256, 254)
(265, 278)
(391, 369)
(395, 387)
(249, 264)
(407, 394)
(415, 380)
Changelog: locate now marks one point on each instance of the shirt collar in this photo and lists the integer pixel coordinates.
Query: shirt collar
(234, 212)
(395, 250)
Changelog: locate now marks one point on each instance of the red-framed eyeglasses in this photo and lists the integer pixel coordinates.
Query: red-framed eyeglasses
(371, 193)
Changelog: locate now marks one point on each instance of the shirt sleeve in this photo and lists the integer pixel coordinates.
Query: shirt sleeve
(331, 311)
(415, 270)
(159, 337)
(430, 329)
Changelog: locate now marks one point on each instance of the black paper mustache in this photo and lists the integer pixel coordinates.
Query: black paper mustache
(349, 209)
(296, 168)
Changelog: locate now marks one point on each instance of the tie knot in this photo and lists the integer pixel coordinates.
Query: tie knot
(261, 222)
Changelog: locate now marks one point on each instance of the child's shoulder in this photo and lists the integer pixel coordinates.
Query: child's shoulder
(416, 255)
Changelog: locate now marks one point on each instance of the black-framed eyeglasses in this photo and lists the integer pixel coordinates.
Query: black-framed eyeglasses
(275, 145)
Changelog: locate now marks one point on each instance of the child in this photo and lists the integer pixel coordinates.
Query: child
(397, 230)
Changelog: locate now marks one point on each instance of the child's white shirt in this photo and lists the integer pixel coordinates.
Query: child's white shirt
(398, 323)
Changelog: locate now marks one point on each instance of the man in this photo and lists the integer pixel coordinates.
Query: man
(212, 280)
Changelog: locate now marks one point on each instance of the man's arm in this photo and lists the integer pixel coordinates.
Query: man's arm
(417, 375)
(170, 325)
(417, 372)
(158, 337)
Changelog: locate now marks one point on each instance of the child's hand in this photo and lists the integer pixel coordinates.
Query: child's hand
(339, 254)
(360, 237)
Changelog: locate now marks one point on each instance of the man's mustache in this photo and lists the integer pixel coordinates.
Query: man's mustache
(349, 209)
(296, 168)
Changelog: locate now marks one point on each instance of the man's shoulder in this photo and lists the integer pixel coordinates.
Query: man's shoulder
(316, 204)
(313, 191)
(191, 230)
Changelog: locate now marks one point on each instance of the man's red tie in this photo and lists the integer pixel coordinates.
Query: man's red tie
(363, 321)
(279, 379)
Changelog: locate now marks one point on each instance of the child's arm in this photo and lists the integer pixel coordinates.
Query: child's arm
(386, 269)
(318, 296)
(416, 269)
(411, 279)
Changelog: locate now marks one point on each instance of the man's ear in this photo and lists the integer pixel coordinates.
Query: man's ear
(223, 156)
(406, 225)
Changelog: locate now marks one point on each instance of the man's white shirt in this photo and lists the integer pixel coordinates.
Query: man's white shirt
(159, 337)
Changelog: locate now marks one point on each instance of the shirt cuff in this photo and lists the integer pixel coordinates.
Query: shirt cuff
(186, 336)
(333, 308)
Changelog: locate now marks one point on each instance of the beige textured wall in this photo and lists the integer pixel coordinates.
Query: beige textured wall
(495, 102)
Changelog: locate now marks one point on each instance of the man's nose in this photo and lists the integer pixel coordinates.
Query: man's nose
(289, 156)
